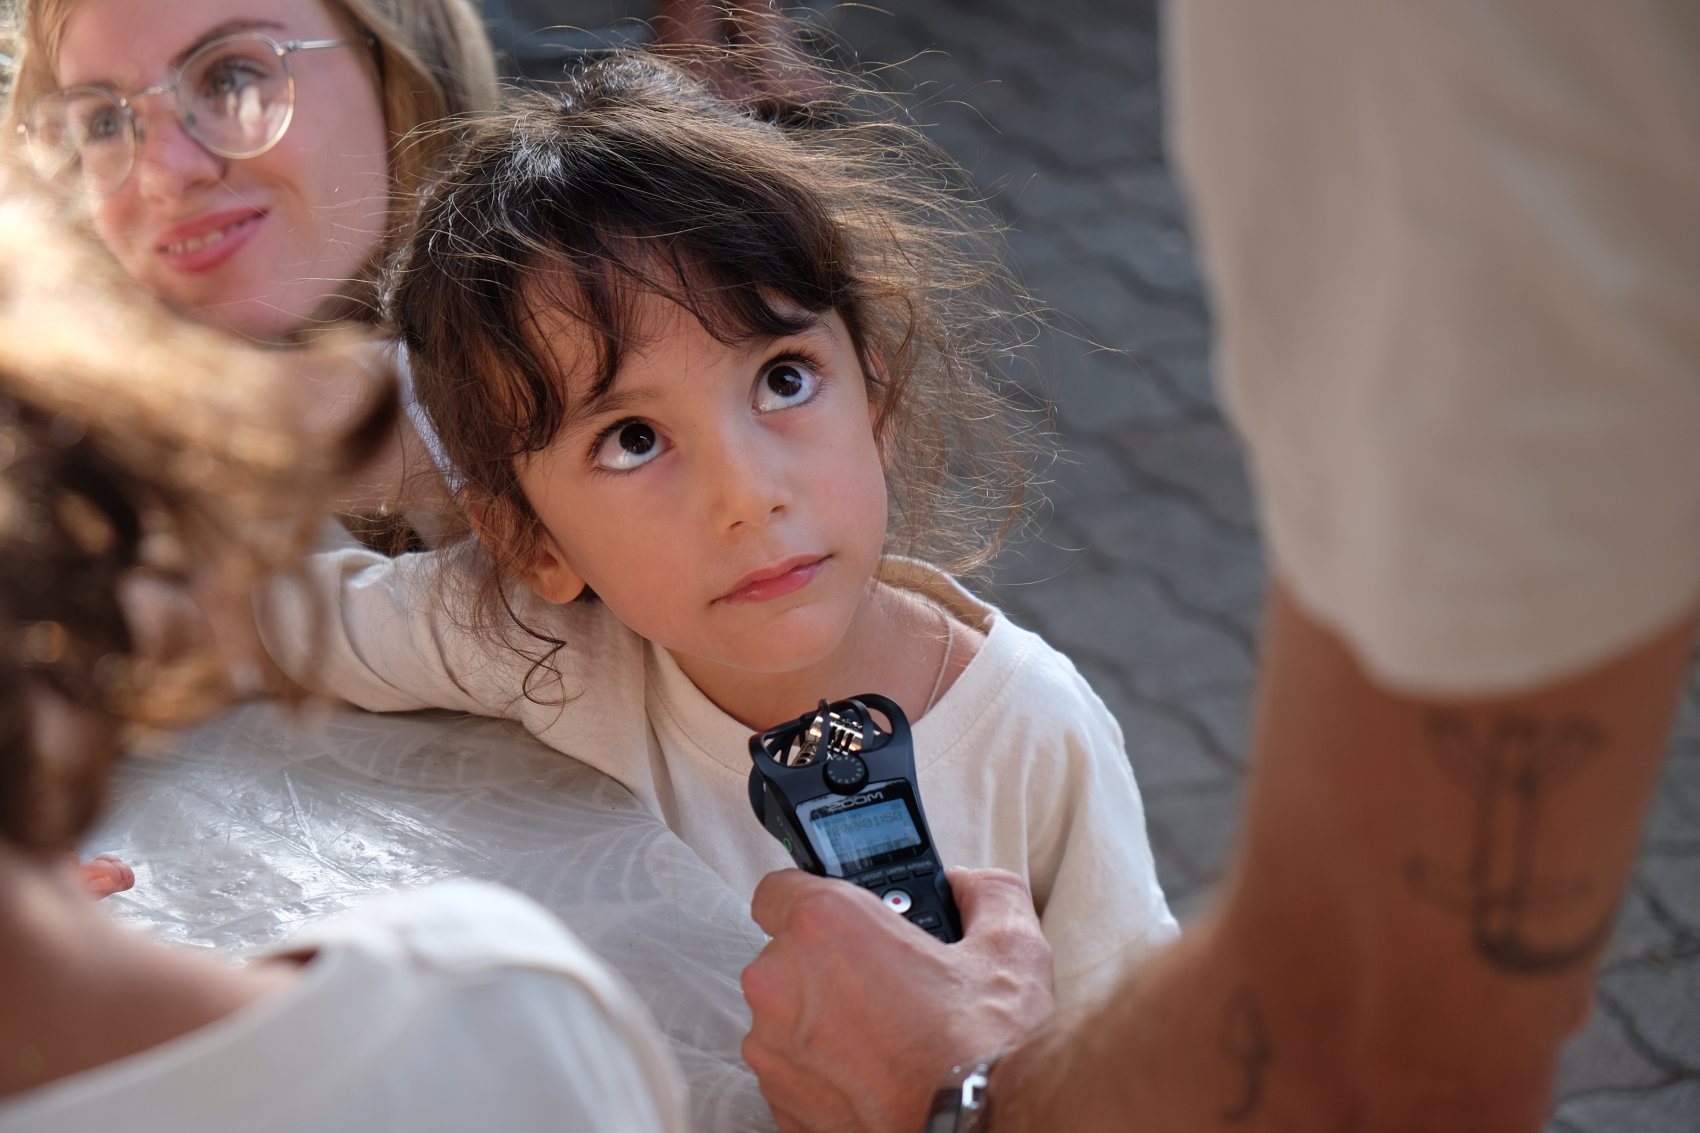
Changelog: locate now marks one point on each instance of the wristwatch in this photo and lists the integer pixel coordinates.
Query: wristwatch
(962, 1104)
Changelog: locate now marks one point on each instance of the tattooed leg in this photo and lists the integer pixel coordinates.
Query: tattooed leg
(1508, 768)
(1245, 1040)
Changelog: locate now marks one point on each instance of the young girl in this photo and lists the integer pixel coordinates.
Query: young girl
(721, 395)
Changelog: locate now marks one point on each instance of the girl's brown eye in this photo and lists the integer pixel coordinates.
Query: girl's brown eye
(628, 445)
(784, 385)
(637, 438)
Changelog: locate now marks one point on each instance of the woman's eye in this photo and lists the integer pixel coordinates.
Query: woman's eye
(785, 384)
(228, 78)
(96, 124)
(628, 445)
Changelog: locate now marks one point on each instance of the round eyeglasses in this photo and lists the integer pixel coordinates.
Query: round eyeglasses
(235, 97)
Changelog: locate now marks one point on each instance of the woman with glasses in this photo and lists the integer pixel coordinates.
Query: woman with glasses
(252, 161)
(245, 158)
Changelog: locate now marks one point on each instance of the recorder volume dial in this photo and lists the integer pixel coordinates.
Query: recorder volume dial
(845, 773)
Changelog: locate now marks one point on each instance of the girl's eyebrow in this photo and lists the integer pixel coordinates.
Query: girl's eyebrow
(605, 404)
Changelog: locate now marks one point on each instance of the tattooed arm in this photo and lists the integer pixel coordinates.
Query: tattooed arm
(1412, 925)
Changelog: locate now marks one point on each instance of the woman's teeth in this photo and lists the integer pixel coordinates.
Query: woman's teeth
(196, 243)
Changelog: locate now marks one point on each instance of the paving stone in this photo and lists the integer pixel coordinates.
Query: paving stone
(1191, 833)
(1052, 553)
(1203, 460)
(1603, 1056)
(1159, 251)
(1152, 189)
(1047, 196)
(1225, 713)
(1670, 1108)
(1165, 752)
(1674, 882)
(1044, 264)
(1128, 44)
(1209, 564)
(1674, 825)
(1662, 1003)
(1166, 650)
(1097, 389)
(1643, 935)
(1186, 367)
(1112, 312)
(1090, 468)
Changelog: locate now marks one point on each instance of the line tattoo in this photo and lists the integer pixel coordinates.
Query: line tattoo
(1508, 767)
(1245, 1040)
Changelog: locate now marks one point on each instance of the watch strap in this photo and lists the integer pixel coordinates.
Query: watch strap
(962, 1104)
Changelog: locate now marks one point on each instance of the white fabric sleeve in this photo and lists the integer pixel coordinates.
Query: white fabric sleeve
(1455, 256)
(528, 1018)
(380, 633)
(1089, 857)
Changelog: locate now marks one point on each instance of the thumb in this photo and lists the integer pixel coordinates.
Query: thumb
(991, 900)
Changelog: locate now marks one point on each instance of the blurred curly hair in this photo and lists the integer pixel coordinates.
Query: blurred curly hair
(132, 444)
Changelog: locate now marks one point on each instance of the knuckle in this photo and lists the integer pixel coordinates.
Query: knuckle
(820, 918)
(765, 990)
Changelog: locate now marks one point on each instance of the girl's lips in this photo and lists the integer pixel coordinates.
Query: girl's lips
(774, 582)
(204, 244)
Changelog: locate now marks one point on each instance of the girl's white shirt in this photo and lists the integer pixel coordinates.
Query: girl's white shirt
(1021, 766)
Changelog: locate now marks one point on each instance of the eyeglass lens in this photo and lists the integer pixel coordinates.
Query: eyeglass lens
(234, 96)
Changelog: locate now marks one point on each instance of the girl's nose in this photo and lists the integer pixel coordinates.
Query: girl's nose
(753, 482)
(168, 161)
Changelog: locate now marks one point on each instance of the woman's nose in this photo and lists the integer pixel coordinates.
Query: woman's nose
(168, 160)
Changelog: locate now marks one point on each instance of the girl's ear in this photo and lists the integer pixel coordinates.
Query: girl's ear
(549, 575)
(535, 560)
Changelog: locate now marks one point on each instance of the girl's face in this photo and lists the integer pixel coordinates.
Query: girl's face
(727, 503)
(256, 245)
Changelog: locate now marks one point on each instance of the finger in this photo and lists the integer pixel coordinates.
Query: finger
(807, 1099)
(992, 898)
(787, 1123)
(105, 875)
(763, 982)
(782, 892)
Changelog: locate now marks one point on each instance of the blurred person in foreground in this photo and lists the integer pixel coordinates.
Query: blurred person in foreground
(1454, 251)
(148, 473)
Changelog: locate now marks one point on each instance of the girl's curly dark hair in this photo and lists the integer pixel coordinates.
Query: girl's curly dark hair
(632, 178)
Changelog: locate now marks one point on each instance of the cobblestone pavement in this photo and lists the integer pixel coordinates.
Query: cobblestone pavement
(1149, 572)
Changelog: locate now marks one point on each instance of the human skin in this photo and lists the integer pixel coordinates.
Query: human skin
(1407, 936)
(297, 222)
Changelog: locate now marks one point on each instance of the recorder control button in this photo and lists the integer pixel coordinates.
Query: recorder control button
(845, 774)
(898, 901)
(926, 920)
(897, 873)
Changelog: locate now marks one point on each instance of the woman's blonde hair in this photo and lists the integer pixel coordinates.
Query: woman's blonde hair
(433, 58)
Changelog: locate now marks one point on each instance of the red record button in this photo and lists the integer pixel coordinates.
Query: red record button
(897, 901)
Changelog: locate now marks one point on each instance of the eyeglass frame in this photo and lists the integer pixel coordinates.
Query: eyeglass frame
(126, 102)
